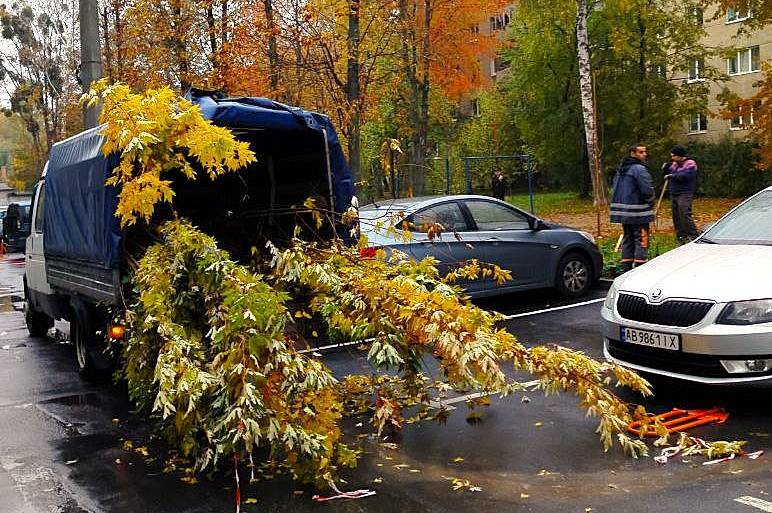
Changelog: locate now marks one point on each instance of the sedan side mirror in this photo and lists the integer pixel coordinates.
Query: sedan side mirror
(538, 224)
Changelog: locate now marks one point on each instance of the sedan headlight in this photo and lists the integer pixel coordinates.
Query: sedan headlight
(746, 312)
(587, 236)
(611, 297)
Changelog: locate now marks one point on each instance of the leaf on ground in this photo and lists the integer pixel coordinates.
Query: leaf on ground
(538, 424)
(191, 480)
(378, 480)
(458, 459)
(474, 417)
(524, 495)
(250, 501)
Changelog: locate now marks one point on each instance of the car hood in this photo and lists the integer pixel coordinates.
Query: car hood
(705, 271)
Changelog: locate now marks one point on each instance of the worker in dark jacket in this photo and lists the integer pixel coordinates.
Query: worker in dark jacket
(682, 179)
(632, 200)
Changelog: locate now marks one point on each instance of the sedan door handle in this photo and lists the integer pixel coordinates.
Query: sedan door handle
(494, 240)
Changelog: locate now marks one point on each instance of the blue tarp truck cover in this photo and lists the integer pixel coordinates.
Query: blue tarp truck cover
(80, 224)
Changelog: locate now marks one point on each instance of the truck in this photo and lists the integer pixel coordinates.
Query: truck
(15, 226)
(76, 266)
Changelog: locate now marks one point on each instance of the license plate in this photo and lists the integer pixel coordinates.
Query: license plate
(650, 338)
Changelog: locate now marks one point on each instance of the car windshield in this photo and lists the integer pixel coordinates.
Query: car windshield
(750, 223)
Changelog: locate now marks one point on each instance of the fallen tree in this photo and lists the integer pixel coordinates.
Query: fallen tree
(213, 351)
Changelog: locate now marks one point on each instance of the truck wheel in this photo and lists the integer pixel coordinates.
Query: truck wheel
(93, 363)
(38, 323)
(574, 275)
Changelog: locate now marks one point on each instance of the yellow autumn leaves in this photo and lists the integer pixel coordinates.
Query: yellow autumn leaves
(156, 132)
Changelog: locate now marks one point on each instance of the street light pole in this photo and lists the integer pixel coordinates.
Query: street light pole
(90, 55)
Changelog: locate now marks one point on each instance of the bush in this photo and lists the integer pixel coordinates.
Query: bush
(728, 168)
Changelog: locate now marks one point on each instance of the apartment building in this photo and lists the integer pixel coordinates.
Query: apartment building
(742, 66)
(491, 66)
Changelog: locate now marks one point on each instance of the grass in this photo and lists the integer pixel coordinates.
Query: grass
(546, 203)
(658, 244)
(569, 209)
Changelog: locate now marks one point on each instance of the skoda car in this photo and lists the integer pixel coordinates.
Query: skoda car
(539, 254)
(702, 312)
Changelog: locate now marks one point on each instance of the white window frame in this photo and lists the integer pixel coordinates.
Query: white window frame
(696, 68)
(738, 56)
(737, 16)
(741, 125)
(700, 128)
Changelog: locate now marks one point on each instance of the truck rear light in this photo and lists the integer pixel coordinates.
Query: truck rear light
(117, 332)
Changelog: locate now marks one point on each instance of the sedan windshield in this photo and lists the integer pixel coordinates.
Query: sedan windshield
(750, 223)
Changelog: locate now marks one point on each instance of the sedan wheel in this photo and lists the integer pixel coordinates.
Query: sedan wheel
(574, 275)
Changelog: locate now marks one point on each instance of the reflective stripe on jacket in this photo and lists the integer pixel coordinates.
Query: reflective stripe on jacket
(632, 196)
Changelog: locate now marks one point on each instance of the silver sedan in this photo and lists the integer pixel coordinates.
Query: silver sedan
(539, 254)
(702, 312)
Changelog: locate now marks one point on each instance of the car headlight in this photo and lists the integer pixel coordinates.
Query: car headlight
(587, 236)
(611, 297)
(746, 312)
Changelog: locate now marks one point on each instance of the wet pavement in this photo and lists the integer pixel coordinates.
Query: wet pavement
(62, 442)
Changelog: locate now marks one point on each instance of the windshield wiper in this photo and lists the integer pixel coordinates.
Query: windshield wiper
(706, 240)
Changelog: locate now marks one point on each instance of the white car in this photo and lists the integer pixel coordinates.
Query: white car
(702, 312)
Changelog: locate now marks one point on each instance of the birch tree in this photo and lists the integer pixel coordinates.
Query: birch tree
(587, 95)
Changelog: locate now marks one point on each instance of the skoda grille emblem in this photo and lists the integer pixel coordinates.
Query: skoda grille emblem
(656, 294)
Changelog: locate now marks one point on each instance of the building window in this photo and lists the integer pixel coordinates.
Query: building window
(695, 71)
(736, 14)
(498, 22)
(747, 60)
(698, 123)
(743, 118)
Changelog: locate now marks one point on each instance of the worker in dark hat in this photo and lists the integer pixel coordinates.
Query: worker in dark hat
(682, 178)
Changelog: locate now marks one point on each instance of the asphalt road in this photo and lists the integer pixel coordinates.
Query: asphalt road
(61, 442)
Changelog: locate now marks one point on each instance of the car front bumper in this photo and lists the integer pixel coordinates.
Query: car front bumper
(703, 347)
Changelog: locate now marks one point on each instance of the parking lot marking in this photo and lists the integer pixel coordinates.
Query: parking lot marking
(555, 309)
(336, 346)
(447, 403)
(755, 502)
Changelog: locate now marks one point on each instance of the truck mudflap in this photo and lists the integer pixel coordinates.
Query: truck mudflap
(88, 280)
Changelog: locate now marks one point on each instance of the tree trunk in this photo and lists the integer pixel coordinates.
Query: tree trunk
(108, 48)
(419, 159)
(641, 77)
(118, 27)
(415, 56)
(588, 104)
(224, 21)
(179, 48)
(273, 54)
(353, 92)
(212, 29)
